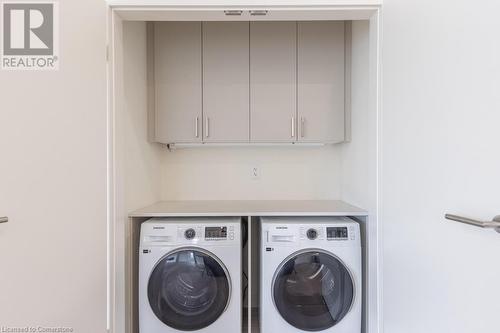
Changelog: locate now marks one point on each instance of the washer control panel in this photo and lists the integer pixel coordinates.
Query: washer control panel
(340, 233)
(311, 233)
(337, 233)
(167, 231)
(189, 234)
(206, 233)
(219, 233)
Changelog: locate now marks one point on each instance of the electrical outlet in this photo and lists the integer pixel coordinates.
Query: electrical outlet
(255, 173)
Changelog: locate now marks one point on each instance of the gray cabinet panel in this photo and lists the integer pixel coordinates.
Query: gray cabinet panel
(178, 81)
(320, 99)
(273, 81)
(226, 81)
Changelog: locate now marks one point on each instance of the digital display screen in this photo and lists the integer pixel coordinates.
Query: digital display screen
(216, 232)
(336, 232)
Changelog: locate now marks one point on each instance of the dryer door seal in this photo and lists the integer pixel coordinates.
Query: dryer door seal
(189, 289)
(313, 290)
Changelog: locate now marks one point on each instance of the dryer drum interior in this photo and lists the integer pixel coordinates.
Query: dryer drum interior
(189, 289)
(313, 290)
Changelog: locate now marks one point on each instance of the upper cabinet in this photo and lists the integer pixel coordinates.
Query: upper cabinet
(225, 81)
(240, 82)
(320, 78)
(273, 93)
(178, 82)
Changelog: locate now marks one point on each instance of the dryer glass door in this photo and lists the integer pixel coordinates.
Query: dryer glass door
(189, 289)
(313, 290)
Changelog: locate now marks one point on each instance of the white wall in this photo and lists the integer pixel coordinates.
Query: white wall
(359, 157)
(440, 154)
(143, 159)
(53, 182)
(358, 165)
(138, 162)
(226, 173)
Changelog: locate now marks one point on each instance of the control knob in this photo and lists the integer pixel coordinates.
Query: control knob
(189, 233)
(312, 234)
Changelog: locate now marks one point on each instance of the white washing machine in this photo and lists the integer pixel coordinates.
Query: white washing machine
(190, 275)
(310, 275)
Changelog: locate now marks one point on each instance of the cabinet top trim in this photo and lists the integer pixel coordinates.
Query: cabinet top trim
(168, 11)
(203, 4)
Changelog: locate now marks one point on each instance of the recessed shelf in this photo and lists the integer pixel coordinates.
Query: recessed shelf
(250, 208)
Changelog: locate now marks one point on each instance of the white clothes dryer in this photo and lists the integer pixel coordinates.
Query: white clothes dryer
(311, 275)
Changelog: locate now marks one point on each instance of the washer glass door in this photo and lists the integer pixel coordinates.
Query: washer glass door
(189, 289)
(313, 290)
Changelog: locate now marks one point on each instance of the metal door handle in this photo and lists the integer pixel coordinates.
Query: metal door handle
(293, 127)
(302, 124)
(207, 127)
(493, 224)
(4, 219)
(196, 127)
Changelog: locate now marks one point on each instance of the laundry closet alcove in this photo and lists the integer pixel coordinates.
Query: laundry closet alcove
(267, 149)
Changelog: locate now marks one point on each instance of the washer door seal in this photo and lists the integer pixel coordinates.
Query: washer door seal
(189, 289)
(313, 290)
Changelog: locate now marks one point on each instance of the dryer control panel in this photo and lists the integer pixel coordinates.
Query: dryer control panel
(333, 231)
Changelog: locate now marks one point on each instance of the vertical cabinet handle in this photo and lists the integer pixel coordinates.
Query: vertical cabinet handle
(196, 127)
(293, 126)
(207, 127)
(302, 126)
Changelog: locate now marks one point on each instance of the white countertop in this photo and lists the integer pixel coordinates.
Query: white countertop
(250, 208)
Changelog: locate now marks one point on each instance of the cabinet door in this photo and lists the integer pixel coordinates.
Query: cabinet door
(178, 85)
(320, 81)
(226, 81)
(273, 69)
